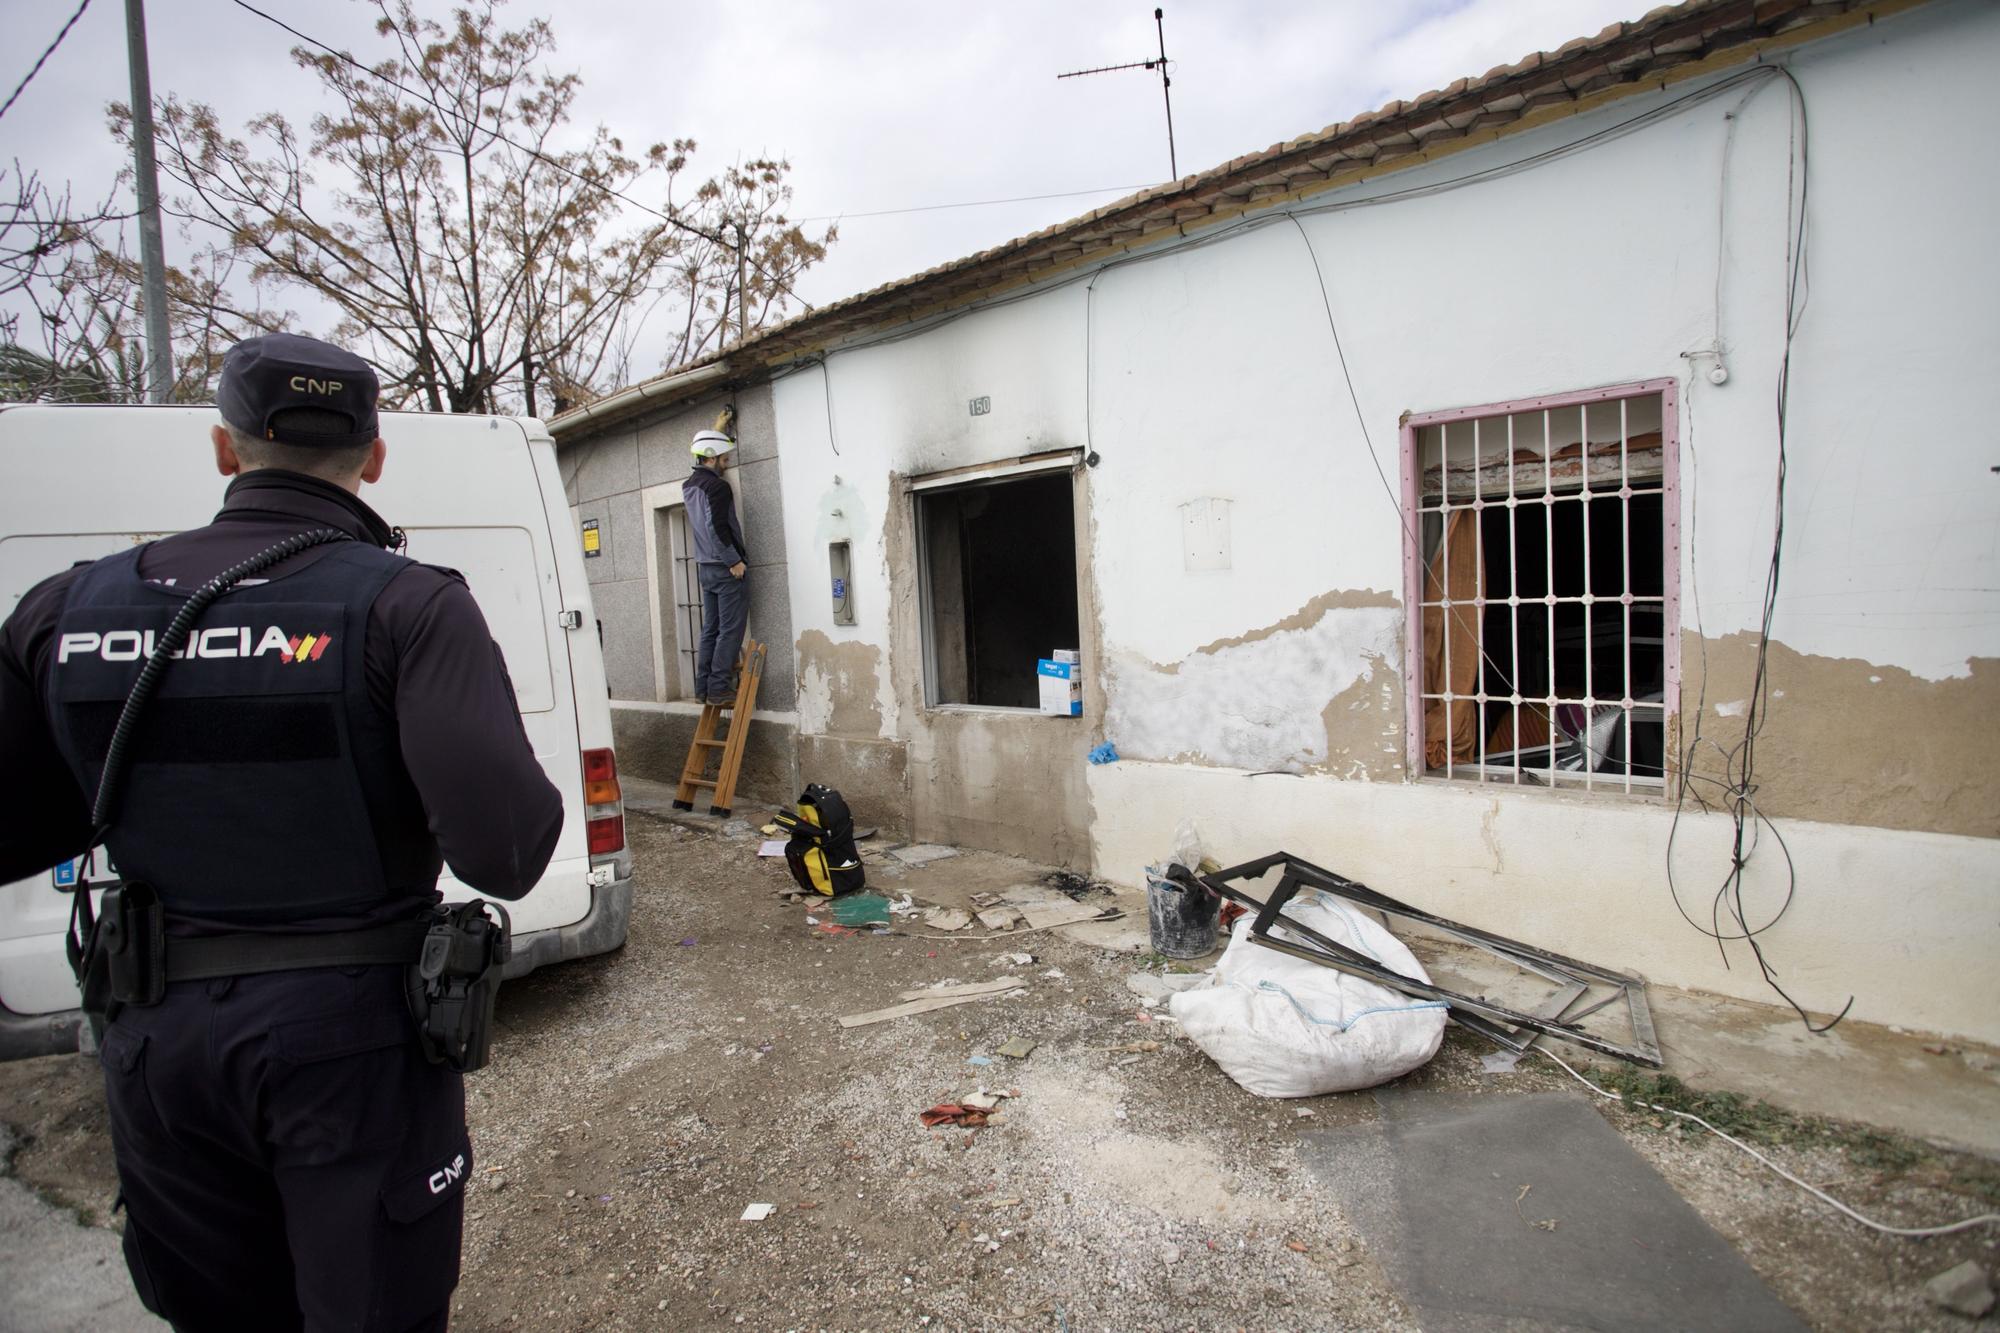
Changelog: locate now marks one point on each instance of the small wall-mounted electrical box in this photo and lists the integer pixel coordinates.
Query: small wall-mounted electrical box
(839, 566)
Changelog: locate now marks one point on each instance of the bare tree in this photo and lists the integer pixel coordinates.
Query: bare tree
(462, 234)
(71, 321)
(751, 196)
(64, 317)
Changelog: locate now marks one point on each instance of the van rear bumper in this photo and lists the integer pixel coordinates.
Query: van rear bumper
(601, 930)
(25, 1036)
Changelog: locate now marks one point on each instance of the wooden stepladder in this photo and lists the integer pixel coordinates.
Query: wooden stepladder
(694, 774)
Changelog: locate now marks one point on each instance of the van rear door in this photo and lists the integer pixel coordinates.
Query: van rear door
(470, 500)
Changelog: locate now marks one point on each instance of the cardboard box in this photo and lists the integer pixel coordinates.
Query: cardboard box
(1068, 655)
(1062, 687)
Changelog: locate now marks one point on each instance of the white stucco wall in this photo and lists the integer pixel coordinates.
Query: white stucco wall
(1210, 373)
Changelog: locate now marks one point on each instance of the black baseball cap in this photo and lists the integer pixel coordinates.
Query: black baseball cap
(298, 390)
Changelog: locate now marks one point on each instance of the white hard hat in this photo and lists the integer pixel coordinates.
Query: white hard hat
(709, 443)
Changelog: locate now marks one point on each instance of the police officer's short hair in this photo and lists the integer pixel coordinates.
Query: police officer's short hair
(332, 463)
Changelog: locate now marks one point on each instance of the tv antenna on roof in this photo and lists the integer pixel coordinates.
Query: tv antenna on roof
(1166, 83)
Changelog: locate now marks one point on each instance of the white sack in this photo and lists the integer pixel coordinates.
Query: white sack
(1284, 1027)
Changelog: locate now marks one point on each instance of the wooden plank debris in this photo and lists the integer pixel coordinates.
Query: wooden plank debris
(923, 1006)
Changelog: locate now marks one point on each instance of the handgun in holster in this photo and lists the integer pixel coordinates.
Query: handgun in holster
(120, 955)
(455, 980)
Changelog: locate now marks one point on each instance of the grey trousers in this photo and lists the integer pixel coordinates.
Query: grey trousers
(725, 609)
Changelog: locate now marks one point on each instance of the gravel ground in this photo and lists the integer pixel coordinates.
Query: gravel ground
(637, 1104)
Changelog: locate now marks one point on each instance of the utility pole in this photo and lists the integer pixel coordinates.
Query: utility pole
(152, 246)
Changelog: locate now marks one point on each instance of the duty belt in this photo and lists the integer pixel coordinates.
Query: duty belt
(198, 958)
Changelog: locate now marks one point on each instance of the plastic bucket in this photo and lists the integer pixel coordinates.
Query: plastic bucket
(1180, 918)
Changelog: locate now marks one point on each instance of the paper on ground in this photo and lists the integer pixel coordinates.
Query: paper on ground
(1043, 910)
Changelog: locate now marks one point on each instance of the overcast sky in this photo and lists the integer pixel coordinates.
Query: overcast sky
(879, 105)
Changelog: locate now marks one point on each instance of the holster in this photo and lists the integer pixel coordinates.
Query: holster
(455, 980)
(120, 953)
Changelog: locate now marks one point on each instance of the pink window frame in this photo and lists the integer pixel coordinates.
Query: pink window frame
(1670, 568)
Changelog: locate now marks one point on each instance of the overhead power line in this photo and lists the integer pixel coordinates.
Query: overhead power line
(22, 86)
(668, 218)
(972, 203)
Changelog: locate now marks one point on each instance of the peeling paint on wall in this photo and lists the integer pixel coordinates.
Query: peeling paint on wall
(839, 687)
(1852, 742)
(1260, 700)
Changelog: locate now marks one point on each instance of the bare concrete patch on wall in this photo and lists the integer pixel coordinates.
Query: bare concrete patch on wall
(870, 774)
(1364, 726)
(839, 691)
(1305, 693)
(1846, 741)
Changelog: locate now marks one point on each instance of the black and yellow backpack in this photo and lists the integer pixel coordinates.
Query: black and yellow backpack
(821, 850)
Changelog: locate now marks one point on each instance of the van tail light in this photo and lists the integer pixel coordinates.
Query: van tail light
(600, 778)
(607, 834)
(604, 813)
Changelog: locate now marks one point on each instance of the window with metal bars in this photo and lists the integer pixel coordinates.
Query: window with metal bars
(1541, 563)
(680, 599)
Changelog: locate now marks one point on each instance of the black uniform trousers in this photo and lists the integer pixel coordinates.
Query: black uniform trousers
(287, 1157)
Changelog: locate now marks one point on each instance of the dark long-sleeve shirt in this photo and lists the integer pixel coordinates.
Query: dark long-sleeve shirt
(429, 660)
(711, 517)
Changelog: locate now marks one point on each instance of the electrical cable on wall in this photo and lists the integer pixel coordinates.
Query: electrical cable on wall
(1738, 783)
(826, 384)
(1368, 441)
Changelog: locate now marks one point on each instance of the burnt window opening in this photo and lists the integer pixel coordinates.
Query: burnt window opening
(1546, 619)
(998, 570)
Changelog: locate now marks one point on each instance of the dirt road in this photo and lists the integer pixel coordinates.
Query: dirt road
(638, 1104)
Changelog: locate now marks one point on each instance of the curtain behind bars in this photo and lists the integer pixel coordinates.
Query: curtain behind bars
(1459, 582)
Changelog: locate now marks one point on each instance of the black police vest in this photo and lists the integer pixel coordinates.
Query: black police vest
(247, 794)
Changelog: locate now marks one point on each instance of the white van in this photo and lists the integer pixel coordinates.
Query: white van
(481, 495)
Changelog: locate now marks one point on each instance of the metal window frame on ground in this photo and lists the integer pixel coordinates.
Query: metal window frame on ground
(1514, 1029)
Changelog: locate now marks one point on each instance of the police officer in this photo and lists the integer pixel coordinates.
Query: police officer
(335, 727)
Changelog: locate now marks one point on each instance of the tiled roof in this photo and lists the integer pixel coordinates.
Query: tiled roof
(1671, 43)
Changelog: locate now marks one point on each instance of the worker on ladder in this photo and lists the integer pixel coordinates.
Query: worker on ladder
(722, 564)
